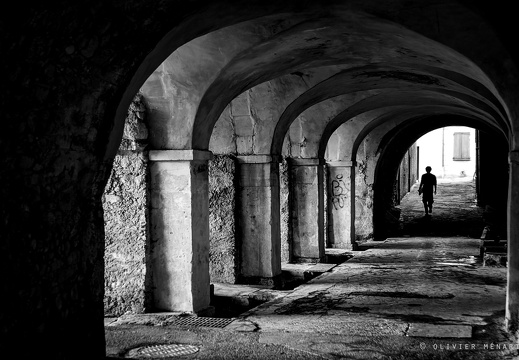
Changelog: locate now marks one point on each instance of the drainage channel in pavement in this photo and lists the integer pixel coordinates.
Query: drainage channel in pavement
(160, 351)
(194, 321)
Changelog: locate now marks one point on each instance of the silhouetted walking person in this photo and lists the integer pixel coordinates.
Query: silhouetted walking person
(427, 187)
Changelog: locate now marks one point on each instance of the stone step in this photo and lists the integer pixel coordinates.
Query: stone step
(496, 242)
(307, 271)
(295, 270)
(317, 270)
(337, 256)
(489, 235)
(492, 249)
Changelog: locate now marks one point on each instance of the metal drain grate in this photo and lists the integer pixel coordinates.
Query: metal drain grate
(202, 321)
(161, 351)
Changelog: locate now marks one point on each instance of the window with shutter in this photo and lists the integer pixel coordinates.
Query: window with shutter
(461, 146)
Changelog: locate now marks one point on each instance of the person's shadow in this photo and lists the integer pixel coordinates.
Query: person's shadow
(424, 225)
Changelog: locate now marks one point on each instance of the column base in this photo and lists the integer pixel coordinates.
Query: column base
(305, 260)
(206, 312)
(348, 247)
(270, 282)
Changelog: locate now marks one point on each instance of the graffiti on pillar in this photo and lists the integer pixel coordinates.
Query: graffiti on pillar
(338, 192)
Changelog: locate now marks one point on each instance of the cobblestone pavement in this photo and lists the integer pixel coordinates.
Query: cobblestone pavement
(455, 212)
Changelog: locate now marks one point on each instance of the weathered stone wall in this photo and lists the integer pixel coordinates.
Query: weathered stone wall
(223, 253)
(125, 204)
(284, 191)
(325, 196)
(414, 164)
(404, 179)
(364, 177)
(407, 173)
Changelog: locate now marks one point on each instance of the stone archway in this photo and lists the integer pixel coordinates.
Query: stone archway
(73, 72)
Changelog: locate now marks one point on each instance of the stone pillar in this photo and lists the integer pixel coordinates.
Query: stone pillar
(340, 205)
(307, 210)
(512, 288)
(259, 219)
(179, 230)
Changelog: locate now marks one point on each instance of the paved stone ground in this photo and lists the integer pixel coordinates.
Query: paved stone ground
(403, 298)
(455, 212)
(414, 290)
(412, 297)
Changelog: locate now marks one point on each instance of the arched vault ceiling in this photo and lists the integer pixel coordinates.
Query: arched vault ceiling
(412, 129)
(428, 117)
(351, 39)
(396, 83)
(394, 101)
(397, 113)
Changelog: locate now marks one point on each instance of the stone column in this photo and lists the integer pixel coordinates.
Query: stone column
(340, 205)
(179, 217)
(307, 210)
(512, 288)
(259, 219)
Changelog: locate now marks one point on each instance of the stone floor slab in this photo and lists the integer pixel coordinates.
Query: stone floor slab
(321, 268)
(440, 331)
(242, 326)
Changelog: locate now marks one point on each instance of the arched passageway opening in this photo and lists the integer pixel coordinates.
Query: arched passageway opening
(386, 216)
(73, 79)
(243, 119)
(472, 185)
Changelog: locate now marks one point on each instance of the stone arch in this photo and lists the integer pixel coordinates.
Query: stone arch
(397, 102)
(201, 132)
(393, 146)
(378, 118)
(76, 83)
(213, 101)
(385, 78)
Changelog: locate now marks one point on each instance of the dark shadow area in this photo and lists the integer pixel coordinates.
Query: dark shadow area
(236, 301)
(232, 304)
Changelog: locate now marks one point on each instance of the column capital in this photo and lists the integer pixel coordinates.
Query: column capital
(306, 162)
(513, 157)
(180, 155)
(345, 163)
(258, 159)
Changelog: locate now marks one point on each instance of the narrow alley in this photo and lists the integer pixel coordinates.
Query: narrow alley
(425, 295)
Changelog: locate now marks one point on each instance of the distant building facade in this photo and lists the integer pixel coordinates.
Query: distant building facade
(450, 151)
